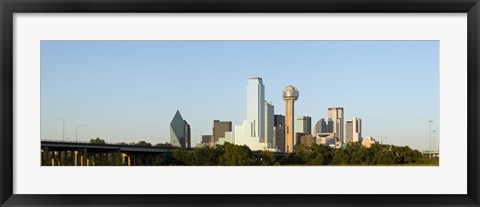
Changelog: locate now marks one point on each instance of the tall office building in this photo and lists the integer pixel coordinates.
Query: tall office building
(268, 138)
(279, 138)
(180, 132)
(278, 120)
(256, 105)
(304, 125)
(348, 131)
(219, 129)
(353, 130)
(279, 132)
(320, 126)
(252, 130)
(335, 115)
(188, 136)
(290, 95)
(357, 130)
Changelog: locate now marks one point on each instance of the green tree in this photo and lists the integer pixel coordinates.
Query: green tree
(267, 158)
(142, 144)
(165, 145)
(97, 141)
(339, 157)
(321, 155)
(206, 156)
(237, 156)
(181, 157)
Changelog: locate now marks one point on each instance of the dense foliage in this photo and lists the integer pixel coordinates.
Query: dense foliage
(353, 154)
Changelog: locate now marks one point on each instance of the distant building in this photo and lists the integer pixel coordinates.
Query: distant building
(297, 138)
(279, 138)
(208, 140)
(348, 131)
(353, 130)
(304, 125)
(290, 95)
(279, 120)
(327, 139)
(188, 135)
(320, 127)
(180, 132)
(335, 117)
(307, 140)
(368, 141)
(269, 121)
(219, 129)
(279, 132)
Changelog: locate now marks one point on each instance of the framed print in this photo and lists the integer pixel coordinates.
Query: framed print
(241, 103)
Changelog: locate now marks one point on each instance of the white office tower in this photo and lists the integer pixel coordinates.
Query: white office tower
(253, 131)
(256, 105)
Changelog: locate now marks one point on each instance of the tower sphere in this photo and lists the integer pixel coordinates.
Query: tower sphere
(290, 92)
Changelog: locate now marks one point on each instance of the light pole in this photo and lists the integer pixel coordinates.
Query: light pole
(434, 139)
(76, 132)
(430, 121)
(63, 129)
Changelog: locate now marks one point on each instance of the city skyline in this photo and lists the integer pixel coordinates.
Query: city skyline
(132, 114)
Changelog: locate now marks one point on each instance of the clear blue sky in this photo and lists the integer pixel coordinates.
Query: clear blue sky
(125, 91)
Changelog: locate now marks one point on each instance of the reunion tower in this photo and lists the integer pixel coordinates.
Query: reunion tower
(290, 95)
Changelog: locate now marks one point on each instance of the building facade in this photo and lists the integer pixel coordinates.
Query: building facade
(368, 142)
(290, 95)
(335, 117)
(307, 140)
(348, 131)
(320, 126)
(279, 132)
(353, 130)
(327, 139)
(279, 138)
(279, 120)
(180, 132)
(304, 125)
(256, 105)
(252, 131)
(357, 130)
(219, 129)
(269, 120)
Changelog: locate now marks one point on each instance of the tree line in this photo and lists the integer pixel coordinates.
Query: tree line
(353, 154)
(235, 155)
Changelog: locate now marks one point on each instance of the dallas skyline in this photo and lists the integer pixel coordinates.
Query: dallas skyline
(125, 91)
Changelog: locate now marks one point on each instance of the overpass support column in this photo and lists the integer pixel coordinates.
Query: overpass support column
(45, 152)
(75, 159)
(119, 158)
(85, 157)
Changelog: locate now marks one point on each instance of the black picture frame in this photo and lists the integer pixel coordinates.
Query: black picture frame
(9, 7)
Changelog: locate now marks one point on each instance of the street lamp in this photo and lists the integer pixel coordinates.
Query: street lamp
(434, 139)
(63, 136)
(76, 132)
(430, 121)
